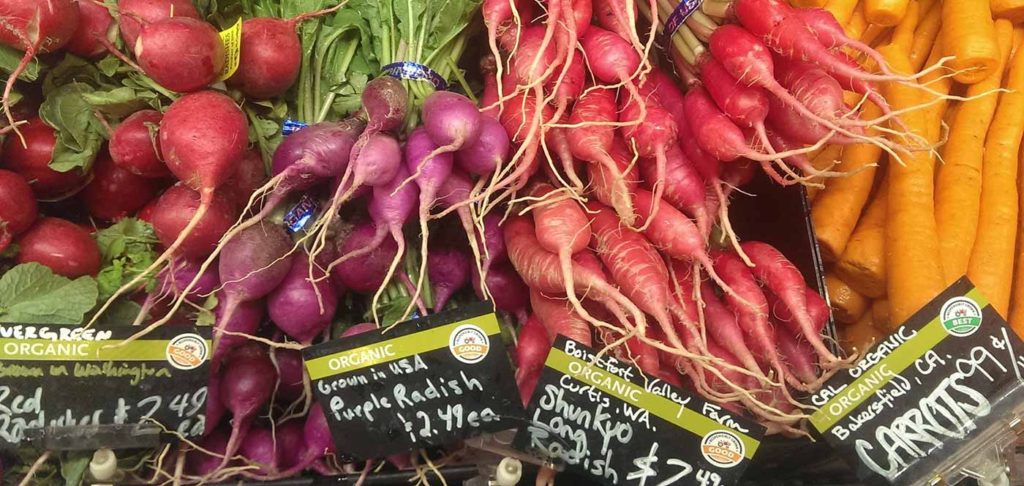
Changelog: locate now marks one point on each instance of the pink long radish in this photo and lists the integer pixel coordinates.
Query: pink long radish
(613, 60)
(532, 346)
(797, 353)
(534, 263)
(594, 114)
(559, 318)
(612, 187)
(780, 276)
(683, 186)
(34, 27)
(563, 229)
(652, 137)
(636, 266)
(723, 328)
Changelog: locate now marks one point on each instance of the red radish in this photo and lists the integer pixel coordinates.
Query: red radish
(448, 270)
(247, 386)
(534, 265)
(146, 213)
(180, 53)
(610, 15)
(202, 137)
(31, 160)
(18, 208)
(135, 13)
(558, 317)
(779, 275)
(532, 346)
(35, 27)
(90, 38)
(488, 152)
(114, 193)
(594, 115)
(291, 373)
(364, 274)
(271, 55)
(61, 245)
(178, 208)
(300, 307)
(135, 146)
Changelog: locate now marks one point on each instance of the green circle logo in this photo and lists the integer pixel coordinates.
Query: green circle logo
(960, 316)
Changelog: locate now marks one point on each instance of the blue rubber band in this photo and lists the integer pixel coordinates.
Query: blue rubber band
(291, 126)
(683, 11)
(415, 71)
(299, 215)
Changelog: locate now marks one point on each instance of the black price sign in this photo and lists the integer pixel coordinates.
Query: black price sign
(426, 382)
(609, 421)
(63, 376)
(935, 383)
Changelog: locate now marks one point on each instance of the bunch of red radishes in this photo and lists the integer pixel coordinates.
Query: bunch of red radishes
(625, 177)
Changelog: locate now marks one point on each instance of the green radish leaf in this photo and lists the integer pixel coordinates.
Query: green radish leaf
(79, 133)
(31, 294)
(126, 249)
(119, 102)
(9, 59)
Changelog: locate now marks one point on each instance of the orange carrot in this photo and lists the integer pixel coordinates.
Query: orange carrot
(911, 238)
(991, 265)
(1012, 10)
(958, 188)
(862, 265)
(847, 304)
(885, 12)
(969, 34)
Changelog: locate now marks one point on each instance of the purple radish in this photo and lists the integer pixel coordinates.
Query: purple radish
(390, 208)
(317, 438)
(430, 168)
(290, 371)
(357, 329)
(452, 121)
(290, 443)
(507, 290)
(252, 266)
(493, 242)
(258, 448)
(449, 269)
(488, 152)
(364, 274)
(300, 307)
(215, 408)
(245, 318)
(454, 191)
(199, 463)
(386, 103)
(247, 385)
(376, 164)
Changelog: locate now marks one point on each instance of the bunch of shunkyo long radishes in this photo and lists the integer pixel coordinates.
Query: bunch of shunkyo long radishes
(625, 178)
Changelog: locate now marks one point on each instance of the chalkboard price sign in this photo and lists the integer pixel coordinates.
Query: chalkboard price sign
(426, 382)
(925, 391)
(62, 376)
(607, 420)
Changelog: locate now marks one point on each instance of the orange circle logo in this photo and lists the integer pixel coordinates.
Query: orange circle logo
(469, 344)
(187, 351)
(722, 448)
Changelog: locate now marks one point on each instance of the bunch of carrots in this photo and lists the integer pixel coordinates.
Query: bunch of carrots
(894, 236)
